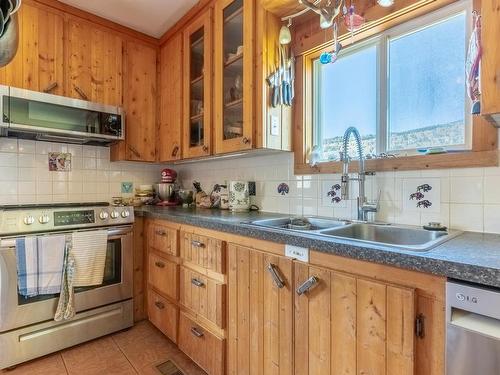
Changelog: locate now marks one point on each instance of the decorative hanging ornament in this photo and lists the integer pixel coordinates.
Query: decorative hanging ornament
(331, 57)
(352, 20)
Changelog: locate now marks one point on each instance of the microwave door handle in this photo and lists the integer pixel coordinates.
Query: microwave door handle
(56, 138)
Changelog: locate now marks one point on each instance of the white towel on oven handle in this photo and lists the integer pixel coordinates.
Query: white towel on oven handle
(89, 253)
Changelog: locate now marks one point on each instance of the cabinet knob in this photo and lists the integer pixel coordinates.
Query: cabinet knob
(197, 243)
(81, 93)
(196, 332)
(307, 285)
(273, 271)
(205, 148)
(197, 283)
(246, 140)
(160, 264)
(175, 151)
(160, 305)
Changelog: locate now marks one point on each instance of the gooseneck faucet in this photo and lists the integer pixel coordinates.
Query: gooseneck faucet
(363, 205)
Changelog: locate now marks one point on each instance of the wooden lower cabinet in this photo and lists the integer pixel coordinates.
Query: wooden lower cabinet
(202, 346)
(163, 314)
(203, 296)
(350, 325)
(245, 309)
(163, 275)
(260, 321)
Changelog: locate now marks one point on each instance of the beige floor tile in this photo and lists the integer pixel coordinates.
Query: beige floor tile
(155, 348)
(50, 365)
(99, 357)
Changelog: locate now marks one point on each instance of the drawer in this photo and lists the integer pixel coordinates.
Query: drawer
(204, 348)
(203, 296)
(163, 275)
(163, 238)
(206, 252)
(163, 314)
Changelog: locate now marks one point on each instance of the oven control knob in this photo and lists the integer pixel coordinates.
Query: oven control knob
(125, 214)
(114, 215)
(28, 220)
(103, 215)
(44, 219)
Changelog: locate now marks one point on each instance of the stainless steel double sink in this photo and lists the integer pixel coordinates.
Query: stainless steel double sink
(397, 236)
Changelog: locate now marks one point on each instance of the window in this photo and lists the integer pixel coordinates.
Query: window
(404, 90)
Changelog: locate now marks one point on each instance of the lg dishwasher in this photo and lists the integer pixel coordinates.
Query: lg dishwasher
(473, 329)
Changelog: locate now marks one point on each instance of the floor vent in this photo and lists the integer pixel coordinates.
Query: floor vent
(169, 368)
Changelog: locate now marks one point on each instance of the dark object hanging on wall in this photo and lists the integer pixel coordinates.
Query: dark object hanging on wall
(9, 30)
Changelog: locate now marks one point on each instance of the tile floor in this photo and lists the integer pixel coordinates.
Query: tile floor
(136, 351)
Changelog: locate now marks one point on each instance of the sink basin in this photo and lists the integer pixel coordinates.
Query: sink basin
(308, 224)
(402, 237)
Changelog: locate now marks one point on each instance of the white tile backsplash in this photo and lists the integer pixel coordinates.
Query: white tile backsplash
(466, 199)
(25, 177)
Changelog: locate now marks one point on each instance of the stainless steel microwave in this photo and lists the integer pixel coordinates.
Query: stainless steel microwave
(41, 116)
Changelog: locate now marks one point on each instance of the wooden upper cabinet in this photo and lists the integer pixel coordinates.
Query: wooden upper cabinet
(170, 130)
(234, 75)
(139, 103)
(197, 78)
(349, 325)
(95, 63)
(260, 308)
(490, 61)
(38, 64)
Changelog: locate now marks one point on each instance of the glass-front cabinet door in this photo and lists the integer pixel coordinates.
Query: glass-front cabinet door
(234, 75)
(198, 86)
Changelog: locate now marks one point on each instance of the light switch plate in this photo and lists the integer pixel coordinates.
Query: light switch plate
(275, 126)
(296, 252)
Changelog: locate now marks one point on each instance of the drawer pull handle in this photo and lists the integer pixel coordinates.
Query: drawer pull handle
(81, 92)
(175, 151)
(197, 244)
(161, 233)
(195, 331)
(160, 264)
(160, 305)
(273, 270)
(197, 283)
(307, 285)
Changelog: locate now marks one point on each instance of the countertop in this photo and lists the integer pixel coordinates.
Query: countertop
(471, 257)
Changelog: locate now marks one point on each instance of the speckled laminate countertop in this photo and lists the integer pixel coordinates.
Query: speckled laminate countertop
(472, 257)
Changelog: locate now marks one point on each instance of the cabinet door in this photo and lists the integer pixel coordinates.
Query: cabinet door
(260, 308)
(140, 104)
(38, 64)
(170, 129)
(490, 60)
(347, 325)
(234, 75)
(94, 63)
(197, 80)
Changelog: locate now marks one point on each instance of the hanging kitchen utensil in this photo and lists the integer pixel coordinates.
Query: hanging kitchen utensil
(285, 36)
(9, 39)
(472, 64)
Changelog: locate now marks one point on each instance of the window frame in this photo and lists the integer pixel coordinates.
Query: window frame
(484, 141)
(382, 44)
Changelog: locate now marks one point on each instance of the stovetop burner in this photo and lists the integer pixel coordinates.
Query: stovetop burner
(53, 205)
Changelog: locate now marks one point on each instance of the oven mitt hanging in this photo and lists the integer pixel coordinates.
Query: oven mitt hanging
(65, 307)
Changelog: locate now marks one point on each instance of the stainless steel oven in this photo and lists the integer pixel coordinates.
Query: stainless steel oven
(27, 328)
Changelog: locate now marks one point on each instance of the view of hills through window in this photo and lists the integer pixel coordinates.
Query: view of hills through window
(426, 95)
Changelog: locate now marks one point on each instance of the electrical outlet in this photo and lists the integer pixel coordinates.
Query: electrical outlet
(252, 190)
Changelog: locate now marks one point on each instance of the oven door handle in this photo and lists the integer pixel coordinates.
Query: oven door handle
(10, 242)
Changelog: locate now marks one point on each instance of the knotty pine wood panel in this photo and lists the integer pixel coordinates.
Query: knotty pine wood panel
(490, 60)
(95, 63)
(342, 325)
(170, 127)
(39, 60)
(260, 321)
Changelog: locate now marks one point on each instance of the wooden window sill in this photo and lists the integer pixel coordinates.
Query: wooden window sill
(466, 159)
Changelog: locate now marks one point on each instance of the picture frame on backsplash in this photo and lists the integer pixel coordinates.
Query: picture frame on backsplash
(59, 161)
